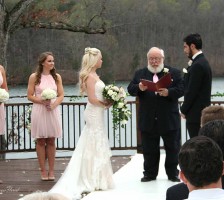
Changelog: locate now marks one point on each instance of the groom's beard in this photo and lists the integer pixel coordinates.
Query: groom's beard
(190, 55)
(155, 70)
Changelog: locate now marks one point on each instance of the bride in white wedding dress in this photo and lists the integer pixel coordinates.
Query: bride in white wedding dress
(90, 167)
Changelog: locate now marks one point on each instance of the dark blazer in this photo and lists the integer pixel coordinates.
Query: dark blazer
(154, 107)
(180, 191)
(198, 83)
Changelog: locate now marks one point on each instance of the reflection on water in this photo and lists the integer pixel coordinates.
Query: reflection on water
(69, 90)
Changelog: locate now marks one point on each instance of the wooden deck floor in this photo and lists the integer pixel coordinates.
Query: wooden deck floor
(21, 177)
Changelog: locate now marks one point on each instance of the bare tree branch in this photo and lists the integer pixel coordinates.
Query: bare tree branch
(64, 26)
(100, 14)
(14, 15)
(2, 5)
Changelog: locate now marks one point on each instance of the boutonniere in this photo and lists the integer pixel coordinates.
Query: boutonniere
(185, 70)
(189, 63)
(165, 70)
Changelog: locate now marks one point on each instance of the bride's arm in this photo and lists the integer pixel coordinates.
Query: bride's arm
(90, 89)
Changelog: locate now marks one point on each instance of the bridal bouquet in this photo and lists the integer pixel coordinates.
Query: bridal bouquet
(120, 112)
(4, 95)
(48, 94)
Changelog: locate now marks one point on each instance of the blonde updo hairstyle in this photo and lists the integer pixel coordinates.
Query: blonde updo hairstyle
(89, 60)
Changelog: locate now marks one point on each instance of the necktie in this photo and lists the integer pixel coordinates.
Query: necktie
(155, 78)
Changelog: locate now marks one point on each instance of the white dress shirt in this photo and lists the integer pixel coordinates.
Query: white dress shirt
(206, 194)
(195, 55)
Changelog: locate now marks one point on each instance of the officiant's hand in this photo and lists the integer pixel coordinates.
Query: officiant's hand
(163, 92)
(142, 87)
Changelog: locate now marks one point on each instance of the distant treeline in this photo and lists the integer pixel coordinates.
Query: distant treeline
(132, 28)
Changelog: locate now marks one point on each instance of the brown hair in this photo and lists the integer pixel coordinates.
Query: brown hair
(211, 113)
(39, 70)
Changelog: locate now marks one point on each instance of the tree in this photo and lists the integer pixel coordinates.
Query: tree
(76, 16)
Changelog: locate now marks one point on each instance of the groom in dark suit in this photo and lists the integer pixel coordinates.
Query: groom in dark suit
(198, 82)
(158, 115)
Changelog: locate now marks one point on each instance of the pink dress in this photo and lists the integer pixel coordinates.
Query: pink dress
(2, 112)
(44, 123)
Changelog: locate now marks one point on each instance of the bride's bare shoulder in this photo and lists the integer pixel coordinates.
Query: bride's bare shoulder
(93, 77)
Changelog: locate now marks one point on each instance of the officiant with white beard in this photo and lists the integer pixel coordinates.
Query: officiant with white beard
(158, 115)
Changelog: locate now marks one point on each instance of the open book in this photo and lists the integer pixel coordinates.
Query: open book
(163, 82)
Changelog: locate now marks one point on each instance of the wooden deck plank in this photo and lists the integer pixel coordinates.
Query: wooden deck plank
(22, 176)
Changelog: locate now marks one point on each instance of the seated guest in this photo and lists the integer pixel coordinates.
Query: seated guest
(210, 113)
(201, 164)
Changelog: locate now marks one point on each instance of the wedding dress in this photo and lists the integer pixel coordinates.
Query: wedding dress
(90, 167)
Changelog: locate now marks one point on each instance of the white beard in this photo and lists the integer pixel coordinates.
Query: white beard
(155, 70)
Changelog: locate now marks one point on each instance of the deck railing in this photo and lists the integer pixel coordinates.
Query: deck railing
(17, 137)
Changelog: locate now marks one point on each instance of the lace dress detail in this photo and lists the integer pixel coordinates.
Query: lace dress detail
(90, 167)
(2, 112)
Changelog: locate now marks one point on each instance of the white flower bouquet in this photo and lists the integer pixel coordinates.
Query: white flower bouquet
(28, 118)
(116, 95)
(4, 95)
(48, 94)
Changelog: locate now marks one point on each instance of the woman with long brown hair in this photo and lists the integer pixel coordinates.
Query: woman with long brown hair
(45, 117)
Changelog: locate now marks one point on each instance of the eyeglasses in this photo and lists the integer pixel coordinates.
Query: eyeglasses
(157, 59)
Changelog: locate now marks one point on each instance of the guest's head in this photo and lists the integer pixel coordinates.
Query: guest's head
(212, 113)
(155, 58)
(214, 130)
(45, 63)
(91, 60)
(201, 163)
(192, 44)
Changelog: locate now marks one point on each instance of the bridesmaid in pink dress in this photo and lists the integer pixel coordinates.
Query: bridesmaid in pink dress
(3, 85)
(45, 117)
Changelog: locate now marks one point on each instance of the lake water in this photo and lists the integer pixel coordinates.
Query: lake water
(217, 86)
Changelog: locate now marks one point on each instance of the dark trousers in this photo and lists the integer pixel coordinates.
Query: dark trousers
(151, 152)
(193, 129)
